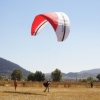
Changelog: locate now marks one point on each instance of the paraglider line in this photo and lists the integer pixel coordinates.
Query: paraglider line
(40, 27)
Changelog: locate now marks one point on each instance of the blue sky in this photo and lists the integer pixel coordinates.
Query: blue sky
(80, 51)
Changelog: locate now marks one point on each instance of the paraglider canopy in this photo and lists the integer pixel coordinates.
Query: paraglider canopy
(59, 21)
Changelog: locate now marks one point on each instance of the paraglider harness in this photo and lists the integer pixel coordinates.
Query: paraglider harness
(46, 84)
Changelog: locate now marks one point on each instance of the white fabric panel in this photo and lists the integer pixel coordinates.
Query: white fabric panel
(59, 31)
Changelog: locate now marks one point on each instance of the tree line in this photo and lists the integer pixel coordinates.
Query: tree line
(56, 76)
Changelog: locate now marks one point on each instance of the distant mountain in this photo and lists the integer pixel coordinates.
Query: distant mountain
(79, 75)
(97, 70)
(6, 68)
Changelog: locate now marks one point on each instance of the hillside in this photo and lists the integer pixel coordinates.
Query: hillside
(79, 75)
(6, 68)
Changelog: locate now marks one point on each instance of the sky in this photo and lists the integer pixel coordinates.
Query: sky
(80, 51)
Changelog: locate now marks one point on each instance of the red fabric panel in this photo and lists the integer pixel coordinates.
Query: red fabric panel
(37, 21)
(52, 18)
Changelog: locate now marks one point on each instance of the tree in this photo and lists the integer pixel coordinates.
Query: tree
(31, 77)
(56, 75)
(0, 77)
(39, 76)
(17, 73)
(90, 79)
(98, 77)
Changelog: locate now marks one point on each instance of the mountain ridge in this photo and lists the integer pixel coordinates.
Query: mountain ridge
(79, 75)
(6, 68)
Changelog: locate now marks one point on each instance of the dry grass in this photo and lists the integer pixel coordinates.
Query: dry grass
(56, 93)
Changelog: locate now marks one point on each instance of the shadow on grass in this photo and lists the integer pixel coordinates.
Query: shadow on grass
(29, 93)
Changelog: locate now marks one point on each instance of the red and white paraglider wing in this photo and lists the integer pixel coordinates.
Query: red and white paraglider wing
(58, 20)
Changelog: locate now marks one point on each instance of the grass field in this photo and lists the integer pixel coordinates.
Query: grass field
(56, 93)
